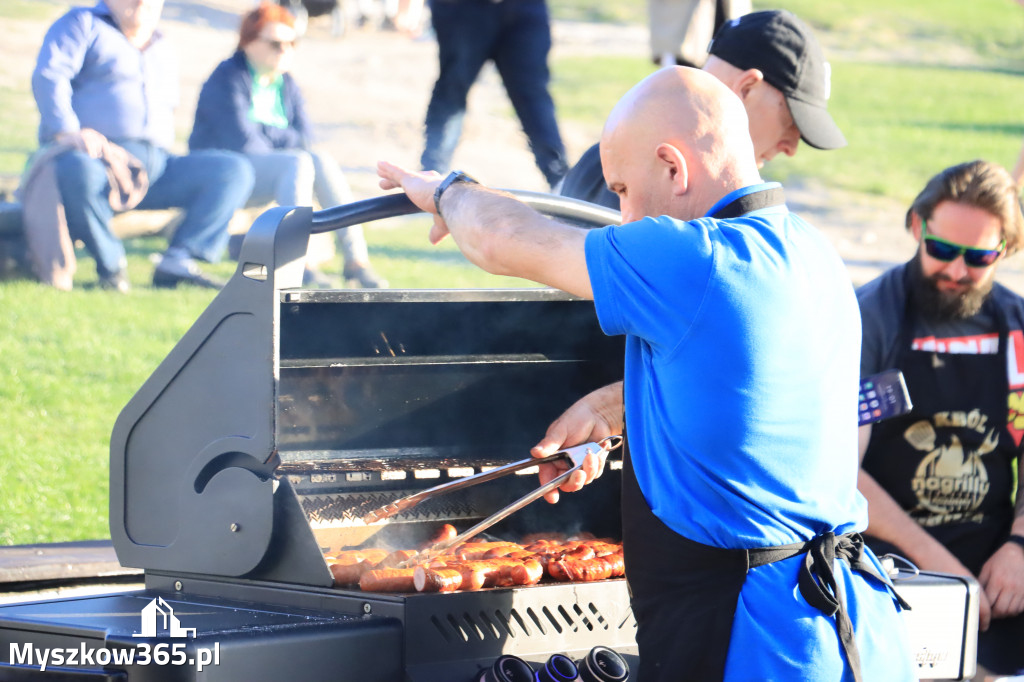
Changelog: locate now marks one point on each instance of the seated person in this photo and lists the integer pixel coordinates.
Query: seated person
(106, 74)
(773, 62)
(251, 104)
(939, 480)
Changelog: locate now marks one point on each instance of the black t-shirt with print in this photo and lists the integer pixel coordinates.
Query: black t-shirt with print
(949, 462)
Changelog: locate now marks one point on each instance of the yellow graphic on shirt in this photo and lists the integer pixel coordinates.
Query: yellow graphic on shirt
(950, 483)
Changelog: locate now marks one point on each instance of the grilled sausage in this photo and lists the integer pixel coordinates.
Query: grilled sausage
(445, 532)
(397, 557)
(349, 574)
(525, 572)
(436, 579)
(617, 563)
(579, 553)
(388, 580)
(473, 576)
(580, 570)
(478, 550)
(348, 567)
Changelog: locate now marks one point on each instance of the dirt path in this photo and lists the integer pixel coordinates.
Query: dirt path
(368, 91)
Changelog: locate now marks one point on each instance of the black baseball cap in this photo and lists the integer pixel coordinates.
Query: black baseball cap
(783, 48)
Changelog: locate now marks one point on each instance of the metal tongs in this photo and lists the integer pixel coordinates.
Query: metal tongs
(574, 454)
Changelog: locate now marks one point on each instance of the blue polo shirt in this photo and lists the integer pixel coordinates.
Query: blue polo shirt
(742, 372)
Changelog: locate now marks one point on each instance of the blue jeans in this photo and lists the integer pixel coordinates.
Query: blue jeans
(515, 34)
(209, 185)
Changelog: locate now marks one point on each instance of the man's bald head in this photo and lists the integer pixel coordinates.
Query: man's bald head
(676, 143)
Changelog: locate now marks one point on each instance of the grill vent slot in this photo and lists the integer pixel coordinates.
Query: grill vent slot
(445, 632)
(457, 627)
(504, 621)
(522, 623)
(553, 620)
(628, 622)
(473, 626)
(491, 628)
(536, 620)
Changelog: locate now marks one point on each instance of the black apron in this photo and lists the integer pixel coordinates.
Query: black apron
(683, 593)
(949, 461)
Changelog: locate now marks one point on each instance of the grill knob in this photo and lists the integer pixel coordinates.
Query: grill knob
(559, 668)
(507, 669)
(603, 665)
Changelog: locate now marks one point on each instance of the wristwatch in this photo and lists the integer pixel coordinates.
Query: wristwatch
(453, 177)
(1017, 540)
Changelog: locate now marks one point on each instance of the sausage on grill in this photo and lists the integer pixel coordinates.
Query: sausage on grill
(445, 532)
(348, 567)
(436, 579)
(398, 556)
(388, 580)
(580, 570)
(525, 572)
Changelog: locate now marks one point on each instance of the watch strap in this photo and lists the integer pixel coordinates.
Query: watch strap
(1017, 540)
(451, 179)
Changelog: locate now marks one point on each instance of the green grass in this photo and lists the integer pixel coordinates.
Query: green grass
(19, 120)
(626, 11)
(31, 10)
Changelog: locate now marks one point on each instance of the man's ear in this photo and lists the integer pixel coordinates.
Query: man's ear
(746, 82)
(674, 163)
(915, 226)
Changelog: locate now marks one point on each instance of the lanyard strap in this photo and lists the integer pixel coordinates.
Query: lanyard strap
(773, 196)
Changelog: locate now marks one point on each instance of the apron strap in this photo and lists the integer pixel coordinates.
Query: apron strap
(818, 583)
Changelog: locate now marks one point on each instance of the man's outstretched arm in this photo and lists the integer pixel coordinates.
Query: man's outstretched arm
(497, 232)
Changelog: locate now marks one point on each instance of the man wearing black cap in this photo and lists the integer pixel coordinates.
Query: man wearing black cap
(773, 62)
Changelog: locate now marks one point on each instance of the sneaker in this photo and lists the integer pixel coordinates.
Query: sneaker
(118, 282)
(190, 276)
(363, 277)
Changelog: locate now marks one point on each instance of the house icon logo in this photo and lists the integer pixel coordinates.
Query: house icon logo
(158, 618)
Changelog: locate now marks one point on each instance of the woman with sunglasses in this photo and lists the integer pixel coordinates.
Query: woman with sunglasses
(251, 104)
(939, 480)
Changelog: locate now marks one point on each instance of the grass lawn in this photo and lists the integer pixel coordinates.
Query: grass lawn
(917, 85)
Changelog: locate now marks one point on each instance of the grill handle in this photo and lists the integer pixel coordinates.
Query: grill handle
(391, 205)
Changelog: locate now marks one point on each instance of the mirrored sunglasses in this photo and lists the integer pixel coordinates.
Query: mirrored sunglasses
(947, 251)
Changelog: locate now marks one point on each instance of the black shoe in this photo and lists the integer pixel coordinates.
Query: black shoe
(116, 282)
(164, 279)
(363, 277)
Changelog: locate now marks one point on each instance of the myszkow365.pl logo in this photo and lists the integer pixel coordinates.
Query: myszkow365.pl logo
(157, 618)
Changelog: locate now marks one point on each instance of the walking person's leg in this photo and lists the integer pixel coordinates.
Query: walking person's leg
(521, 55)
(465, 31)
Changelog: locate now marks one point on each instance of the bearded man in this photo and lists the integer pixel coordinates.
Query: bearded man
(939, 480)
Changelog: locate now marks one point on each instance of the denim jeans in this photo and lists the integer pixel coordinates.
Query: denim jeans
(292, 177)
(516, 35)
(209, 185)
